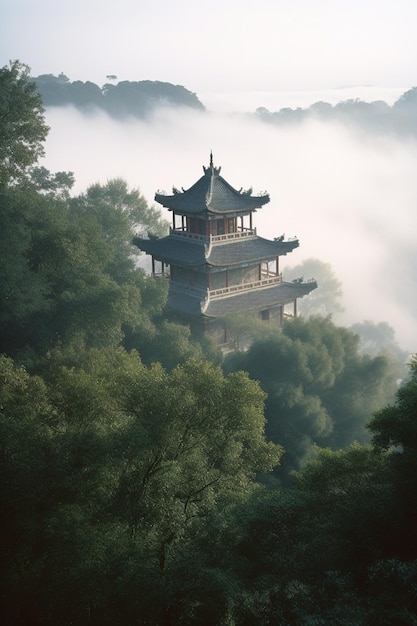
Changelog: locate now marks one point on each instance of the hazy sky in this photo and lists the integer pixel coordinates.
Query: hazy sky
(218, 45)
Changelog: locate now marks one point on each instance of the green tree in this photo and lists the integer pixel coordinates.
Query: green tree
(22, 124)
(379, 338)
(119, 211)
(320, 389)
(396, 425)
(113, 476)
(56, 185)
(244, 327)
(394, 428)
(68, 270)
(326, 300)
(205, 427)
(323, 552)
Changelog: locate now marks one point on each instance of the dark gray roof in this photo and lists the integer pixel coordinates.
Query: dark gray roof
(250, 249)
(175, 250)
(259, 298)
(211, 194)
(194, 253)
(184, 302)
(256, 299)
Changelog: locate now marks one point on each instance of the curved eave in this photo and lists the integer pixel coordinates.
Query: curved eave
(211, 194)
(169, 250)
(191, 253)
(255, 300)
(251, 250)
(258, 299)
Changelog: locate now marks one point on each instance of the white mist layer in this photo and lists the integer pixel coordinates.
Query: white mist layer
(350, 197)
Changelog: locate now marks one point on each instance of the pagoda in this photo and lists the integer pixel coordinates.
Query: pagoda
(216, 263)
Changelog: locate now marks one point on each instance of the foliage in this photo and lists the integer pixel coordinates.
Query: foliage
(326, 551)
(396, 425)
(110, 472)
(395, 428)
(140, 98)
(68, 269)
(323, 301)
(320, 388)
(379, 338)
(120, 211)
(22, 125)
(376, 116)
(244, 327)
(126, 98)
(57, 185)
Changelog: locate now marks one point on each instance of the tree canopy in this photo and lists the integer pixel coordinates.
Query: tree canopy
(320, 388)
(22, 124)
(120, 100)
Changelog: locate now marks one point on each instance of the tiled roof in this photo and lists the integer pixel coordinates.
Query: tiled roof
(256, 299)
(194, 253)
(184, 251)
(253, 249)
(211, 194)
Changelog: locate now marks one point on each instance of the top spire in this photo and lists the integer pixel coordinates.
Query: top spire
(210, 170)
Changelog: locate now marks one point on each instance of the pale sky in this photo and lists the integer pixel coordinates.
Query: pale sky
(217, 45)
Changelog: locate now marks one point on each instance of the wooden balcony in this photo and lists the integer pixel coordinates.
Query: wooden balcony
(213, 239)
(247, 286)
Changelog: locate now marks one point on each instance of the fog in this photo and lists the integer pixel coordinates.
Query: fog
(350, 197)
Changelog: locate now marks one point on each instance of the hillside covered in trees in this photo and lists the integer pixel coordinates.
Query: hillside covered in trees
(139, 98)
(120, 100)
(148, 479)
(376, 116)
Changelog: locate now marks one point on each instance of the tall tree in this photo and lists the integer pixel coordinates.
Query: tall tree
(22, 125)
(327, 300)
(112, 474)
(320, 388)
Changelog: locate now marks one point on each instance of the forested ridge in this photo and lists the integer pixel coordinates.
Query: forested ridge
(119, 99)
(148, 479)
(140, 98)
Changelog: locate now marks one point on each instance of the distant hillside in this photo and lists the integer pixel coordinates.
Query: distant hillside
(140, 98)
(377, 116)
(126, 98)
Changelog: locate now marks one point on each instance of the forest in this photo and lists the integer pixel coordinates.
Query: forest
(120, 100)
(139, 99)
(146, 477)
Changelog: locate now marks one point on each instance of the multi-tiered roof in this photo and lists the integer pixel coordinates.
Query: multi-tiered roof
(218, 264)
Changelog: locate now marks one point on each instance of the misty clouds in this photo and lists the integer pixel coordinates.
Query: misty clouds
(350, 197)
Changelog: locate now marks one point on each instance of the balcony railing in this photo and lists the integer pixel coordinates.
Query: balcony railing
(256, 284)
(240, 234)
(212, 294)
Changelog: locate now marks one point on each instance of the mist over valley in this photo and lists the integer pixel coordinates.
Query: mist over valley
(350, 196)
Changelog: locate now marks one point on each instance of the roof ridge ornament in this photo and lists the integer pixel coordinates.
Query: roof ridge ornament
(211, 170)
